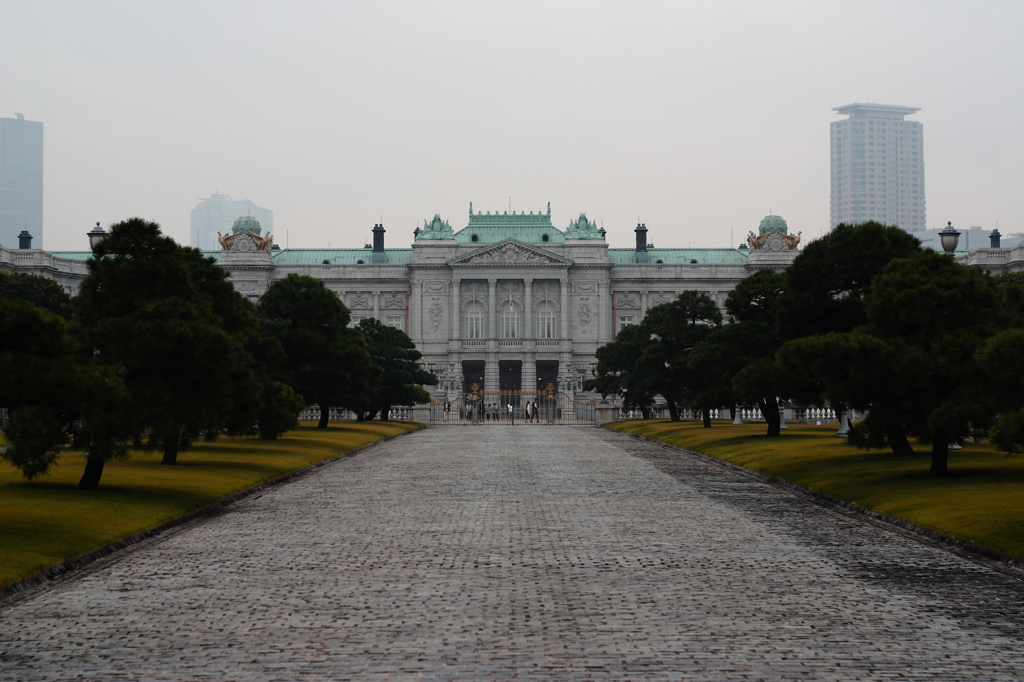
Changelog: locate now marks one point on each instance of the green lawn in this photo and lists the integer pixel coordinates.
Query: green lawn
(48, 521)
(982, 499)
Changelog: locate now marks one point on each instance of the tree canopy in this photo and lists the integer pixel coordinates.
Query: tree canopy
(171, 319)
(827, 282)
(738, 359)
(39, 291)
(325, 361)
(652, 358)
(402, 379)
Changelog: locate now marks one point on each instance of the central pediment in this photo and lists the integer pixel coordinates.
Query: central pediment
(510, 252)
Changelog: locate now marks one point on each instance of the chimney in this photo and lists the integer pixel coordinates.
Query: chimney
(641, 242)
(994, 239)
(24, 240)
(378, 243)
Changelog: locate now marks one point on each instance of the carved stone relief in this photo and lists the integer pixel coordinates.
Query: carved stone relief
(508, 254)
(624, 299)
(358, 301)
(583, 311)
(584, 286)
(435, 287)
(436, 314)
(395, 301)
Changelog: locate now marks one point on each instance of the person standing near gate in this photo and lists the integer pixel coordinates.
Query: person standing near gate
(511, 414)
(529, 415)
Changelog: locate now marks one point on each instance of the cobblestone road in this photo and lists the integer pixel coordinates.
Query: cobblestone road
(540, 554)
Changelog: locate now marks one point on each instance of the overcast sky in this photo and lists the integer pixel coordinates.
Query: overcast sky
(698, 118)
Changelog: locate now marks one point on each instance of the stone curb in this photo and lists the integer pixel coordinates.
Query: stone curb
(209, 510)
(970, 550)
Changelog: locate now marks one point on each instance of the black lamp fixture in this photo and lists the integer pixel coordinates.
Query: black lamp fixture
(949, 238)
(96, 235)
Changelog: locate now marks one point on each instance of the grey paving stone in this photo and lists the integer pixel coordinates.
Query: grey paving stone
(535, 554)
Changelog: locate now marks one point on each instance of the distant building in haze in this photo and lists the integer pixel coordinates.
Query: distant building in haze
(21, 180)
(218, 214)
(878, 166)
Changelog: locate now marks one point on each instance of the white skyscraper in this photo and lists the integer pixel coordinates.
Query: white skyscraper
(878, 166)
(21, 180)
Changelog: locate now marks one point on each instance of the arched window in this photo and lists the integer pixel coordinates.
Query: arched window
(474, 327)
(509, 322)
(546, 316)
(474, 238)
(544, 238)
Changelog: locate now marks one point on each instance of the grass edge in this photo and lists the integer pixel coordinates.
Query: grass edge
(58, 570)
(992, 558)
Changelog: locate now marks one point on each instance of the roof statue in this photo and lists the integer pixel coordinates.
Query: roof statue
(437, 228)
(245, 236)
(773, 236)
(582, 229)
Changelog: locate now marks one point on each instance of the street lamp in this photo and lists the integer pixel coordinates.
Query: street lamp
(949, 238)
(96, 235)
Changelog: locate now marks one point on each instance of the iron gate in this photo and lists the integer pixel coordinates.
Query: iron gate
(528, 408)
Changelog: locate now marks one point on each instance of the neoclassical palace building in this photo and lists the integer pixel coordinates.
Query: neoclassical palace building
(508, 302)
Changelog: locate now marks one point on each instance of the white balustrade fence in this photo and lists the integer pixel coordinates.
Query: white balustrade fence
(312, 413)
(797, 415)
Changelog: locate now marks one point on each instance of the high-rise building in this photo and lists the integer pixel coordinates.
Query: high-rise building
(218, 214)
(21, 180)
(878, 166)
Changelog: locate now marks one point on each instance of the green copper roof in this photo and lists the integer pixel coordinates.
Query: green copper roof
(86, 255)
(671, 256)
(339, 256)
(246, 223)
(72, 255)
(529, 228)
(773, 223)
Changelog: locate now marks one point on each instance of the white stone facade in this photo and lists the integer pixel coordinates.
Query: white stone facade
(538, 310)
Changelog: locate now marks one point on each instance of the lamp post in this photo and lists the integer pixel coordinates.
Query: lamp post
(95, 236)
(949, 238)
(593, 372)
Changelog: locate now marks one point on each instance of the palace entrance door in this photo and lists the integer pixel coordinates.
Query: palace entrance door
(547, 375)
(472, 375)
(510, 375)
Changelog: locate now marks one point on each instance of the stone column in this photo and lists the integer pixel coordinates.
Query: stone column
(456, 308)
(376, 306)
(602, 314)
(528, 309)
(418, 302)
(643, 306)
(492, 292)
(563, 327)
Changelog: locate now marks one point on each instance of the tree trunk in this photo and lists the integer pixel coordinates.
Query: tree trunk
(171, 449)
(940, 454)
(645, 412)
(370, 415)
(325, 416)
(706, 413)
(897, 438)
(360, 416)
(93, 470)
(384, 410)
(673, 411)
(770, 409)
